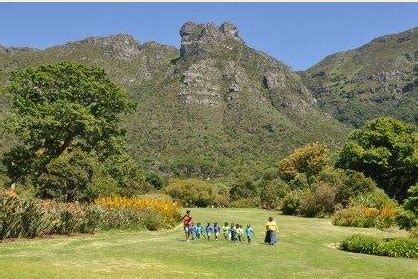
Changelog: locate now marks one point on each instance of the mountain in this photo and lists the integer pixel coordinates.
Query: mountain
(379, 78)
(213, 107)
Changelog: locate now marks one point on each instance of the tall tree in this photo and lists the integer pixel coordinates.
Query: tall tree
(386, 150)
(58, 107)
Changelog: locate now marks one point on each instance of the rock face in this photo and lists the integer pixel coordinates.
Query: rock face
(121, 46)
(379, 78)
(203, 38)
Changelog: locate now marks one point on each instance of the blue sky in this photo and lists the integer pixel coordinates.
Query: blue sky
(299, 34)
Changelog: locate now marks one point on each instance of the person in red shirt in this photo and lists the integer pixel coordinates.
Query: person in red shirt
(187, 224)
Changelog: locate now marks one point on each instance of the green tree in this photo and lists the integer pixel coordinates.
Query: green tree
(75, 176)
(58, 107)
(309, 160)
(411, 203)
(386, 150)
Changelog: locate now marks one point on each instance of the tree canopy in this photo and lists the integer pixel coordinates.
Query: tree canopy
(386, 150)
(63, 106)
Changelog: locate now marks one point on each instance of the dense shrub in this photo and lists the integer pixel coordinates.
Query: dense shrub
(129, 175)
(132, 219)
(272, 192)
(192, 192)
(291, 202)
(75, 176)
(349, 184)
(244, 188)
(149, 212)
(325, 198)
(376, 198)
(316, 201)
(245, 202)
(411, 203)
(28, 218)
(309, 159)
(391, 247)
(155, 180)
(384, 149)
(405, 219)
(361, 216)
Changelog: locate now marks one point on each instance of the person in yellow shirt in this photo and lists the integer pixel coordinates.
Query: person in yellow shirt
(271, 232)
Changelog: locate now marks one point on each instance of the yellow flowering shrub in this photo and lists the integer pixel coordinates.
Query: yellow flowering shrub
(363, 216)
(163, 209)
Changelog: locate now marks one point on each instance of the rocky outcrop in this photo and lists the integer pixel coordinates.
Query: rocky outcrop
(203, 38)
(200, 84)
(121, 46)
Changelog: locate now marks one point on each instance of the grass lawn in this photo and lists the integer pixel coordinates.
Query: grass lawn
(306, 249)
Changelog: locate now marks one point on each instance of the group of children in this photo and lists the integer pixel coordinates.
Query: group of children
(230, 232)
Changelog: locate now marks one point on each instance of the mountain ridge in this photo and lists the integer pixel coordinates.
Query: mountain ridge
(213, 107)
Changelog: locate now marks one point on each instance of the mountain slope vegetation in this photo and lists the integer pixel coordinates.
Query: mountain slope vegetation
(377, 79)
(216, 106)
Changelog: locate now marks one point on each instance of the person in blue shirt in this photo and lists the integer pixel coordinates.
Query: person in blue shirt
(208, 230)
(249, 232)
(198, 230)
(193, 230)
(216, 230)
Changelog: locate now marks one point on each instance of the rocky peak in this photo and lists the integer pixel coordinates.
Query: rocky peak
(197, 38)
(122, 46)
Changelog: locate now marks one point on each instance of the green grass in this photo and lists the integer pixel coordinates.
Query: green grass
(306, 249)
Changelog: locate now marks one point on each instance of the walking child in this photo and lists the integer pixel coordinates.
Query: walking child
(209, 230)
(240, 232)
(216, 230)
(226, 231)
(249, 232)
(199, 230)
(233, 233)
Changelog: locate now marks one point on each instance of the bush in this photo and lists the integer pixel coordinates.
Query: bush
(325, 198)
(309, 160)
(391, 247)
(272, 192)
(246, 202)
(291, 202)
(28, 218)
(411, 203)
(75, 176)
(149, 212)
(365, 217)
(192, 192)
(349, 184)
(376, 198)
(128, 174)
(155, 180)
(131, 219)
(405, 219)
(244, 188)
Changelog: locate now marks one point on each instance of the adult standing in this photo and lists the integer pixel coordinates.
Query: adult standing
(187, 224)
(271, 232)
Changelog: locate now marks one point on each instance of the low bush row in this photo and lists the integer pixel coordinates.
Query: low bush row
(392, 247)
(151, 212)
(365, 217)
(28, 218)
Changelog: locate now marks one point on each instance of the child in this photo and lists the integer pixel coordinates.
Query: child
(193, 230)
(216, 230)
(240, 232)
(233, 233)
(209, 230)
(198, 230)
(225, 231)
(249, 232)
